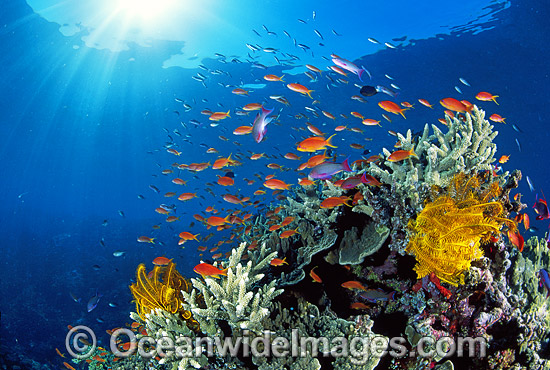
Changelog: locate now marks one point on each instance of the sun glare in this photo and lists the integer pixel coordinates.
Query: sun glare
(147, 10)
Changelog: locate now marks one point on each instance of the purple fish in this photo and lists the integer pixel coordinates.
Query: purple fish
(349, 66)
(351, 182)
(545, 280)
(92, 303)
(377, 295)
(325, 170)
(541, 208)
(260, 123)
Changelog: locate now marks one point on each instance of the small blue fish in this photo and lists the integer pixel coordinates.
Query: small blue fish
(377, 295)
(530, 184)
(458, 89)
(92, 303)
(464, 81)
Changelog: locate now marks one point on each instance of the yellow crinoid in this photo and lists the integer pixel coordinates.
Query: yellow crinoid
(161, 288)
(445, 237)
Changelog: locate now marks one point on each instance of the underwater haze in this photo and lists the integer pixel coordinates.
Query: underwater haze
(106, 105)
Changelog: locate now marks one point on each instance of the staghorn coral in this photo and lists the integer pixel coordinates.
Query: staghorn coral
(236, 299)
(446, 235)
(466, 147)
(163, 290)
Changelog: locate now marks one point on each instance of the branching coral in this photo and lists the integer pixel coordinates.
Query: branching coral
(446, 235)
(237, 299)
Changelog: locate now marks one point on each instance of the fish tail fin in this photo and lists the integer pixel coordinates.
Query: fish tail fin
(267, 111)
(346, 166)
(392, 295)
(411, 152)
(310, 91)
(228, 114)
(360, 74)
(328, 143)
(403, 114)
(495, 99)
(281, 79)
(284, 261)
(224, 271)
(152, 241)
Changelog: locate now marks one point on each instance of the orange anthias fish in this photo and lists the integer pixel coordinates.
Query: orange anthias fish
(225, 181)
(223, 162)
(59, 353)
(185, 235)
(314, 143)
(291, 156)
(453, 104)
(68, 366)
(425, 103)
(504, 159)
(485, 96)
(300, 89)
(278, 262)
(275, 184)
(206, 269)
(516, 239)
(252, 106)
(401, 155)
(305, 182)
(187, 196)
(497, 118)
(353, 285)
(273, 78)
(371, 122)
(217, 116)
(314, 276)
(242, 130)
(161, 261)
(239, 91)
(288, 233)
(217, 221)
(146, 239)
(358, 306)
(179, 181)
(332, 202)
(392, 107)
(232, 199)
(172, 218)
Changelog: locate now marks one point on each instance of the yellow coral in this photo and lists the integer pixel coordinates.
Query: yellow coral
(446, 235)
(161, 289)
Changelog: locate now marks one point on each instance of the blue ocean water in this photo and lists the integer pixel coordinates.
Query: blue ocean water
(91, 96)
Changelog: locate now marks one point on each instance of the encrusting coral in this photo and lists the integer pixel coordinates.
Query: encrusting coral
(446, 235)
